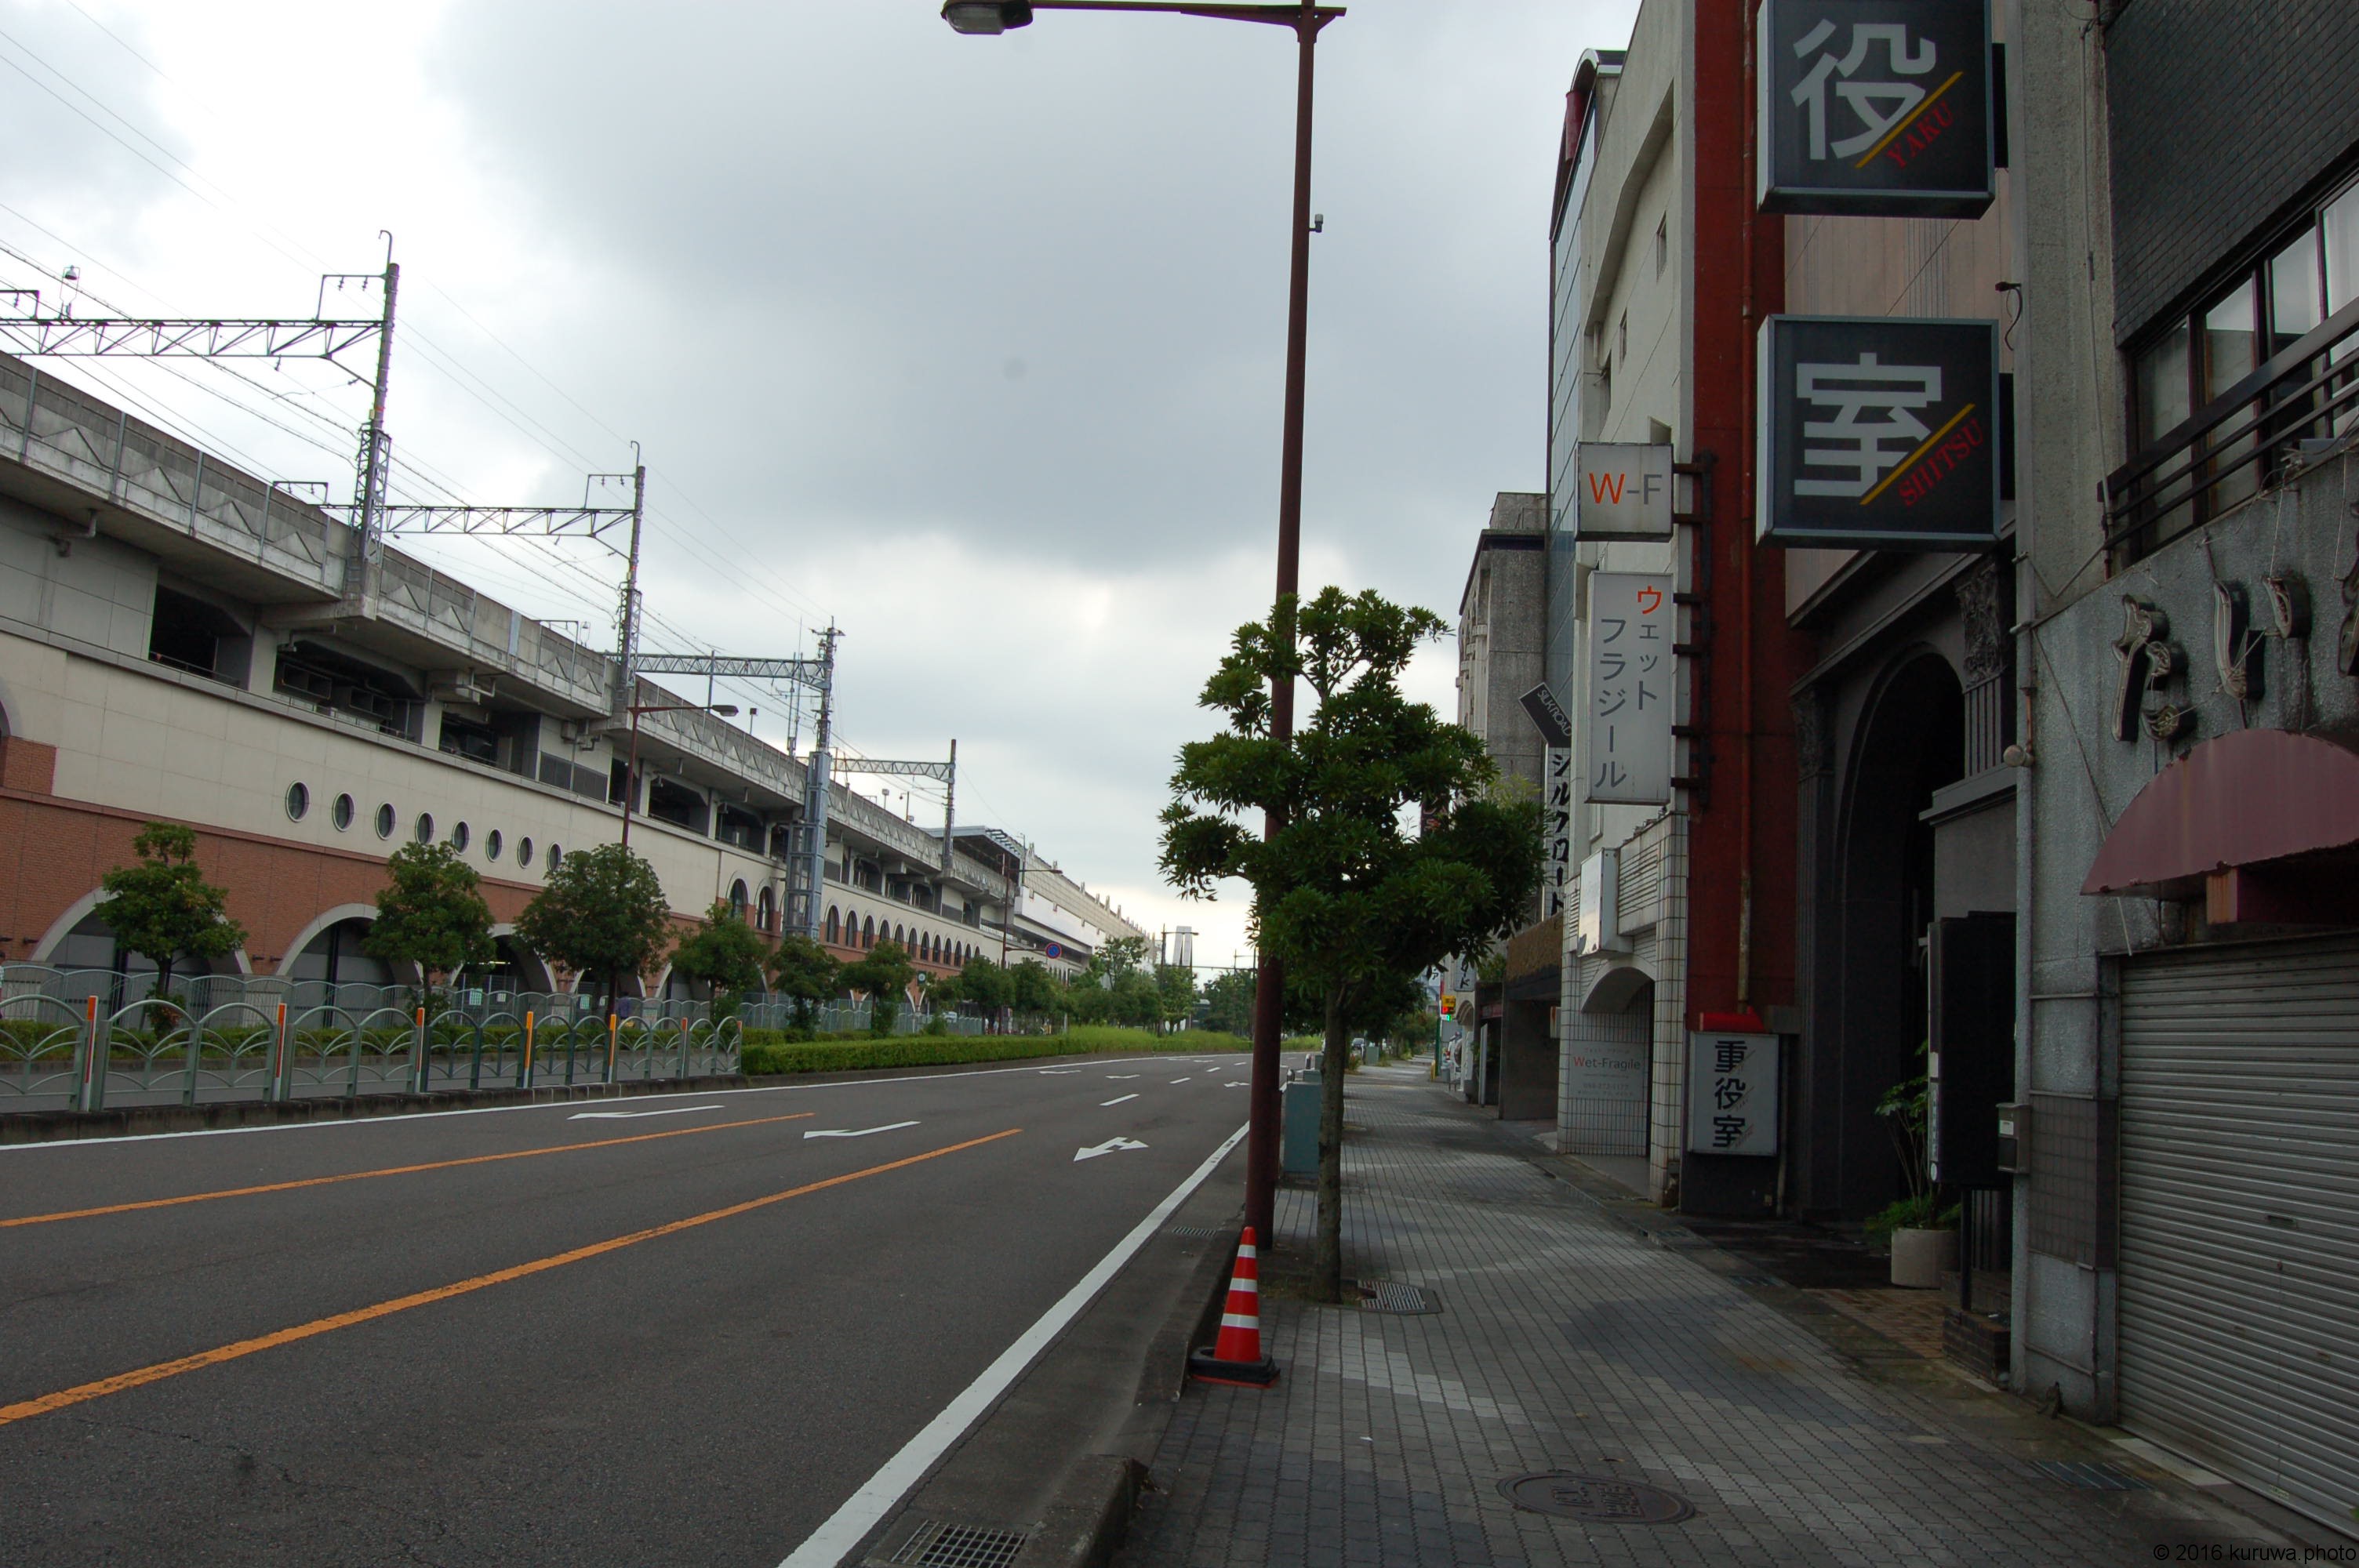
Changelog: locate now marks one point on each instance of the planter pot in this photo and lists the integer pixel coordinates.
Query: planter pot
(1918, 1257)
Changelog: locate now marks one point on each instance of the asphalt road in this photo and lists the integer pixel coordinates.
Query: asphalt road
(491, 1359)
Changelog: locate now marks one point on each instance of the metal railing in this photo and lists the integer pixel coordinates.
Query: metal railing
(85, 1039)
(2287, 414)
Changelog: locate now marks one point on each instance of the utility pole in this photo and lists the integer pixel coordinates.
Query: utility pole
(627, 621)
(377, 451)
(950, 803)
(815, 788)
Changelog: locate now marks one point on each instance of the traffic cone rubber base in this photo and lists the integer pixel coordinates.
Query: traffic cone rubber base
(1206, 1367)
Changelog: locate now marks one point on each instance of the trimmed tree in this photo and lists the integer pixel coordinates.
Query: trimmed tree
(1228, 1002)
(430, 914)
(801, 968)
(884, 973)
(1175, 986)
(163, 906)
(1035, 988)
(602, 911)
(727, 955)
(1345, 896)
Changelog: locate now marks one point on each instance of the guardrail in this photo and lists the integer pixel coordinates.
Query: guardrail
(2285, 415)
(159, 1051)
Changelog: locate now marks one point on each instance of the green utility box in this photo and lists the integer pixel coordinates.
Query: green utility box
(1298, 1133)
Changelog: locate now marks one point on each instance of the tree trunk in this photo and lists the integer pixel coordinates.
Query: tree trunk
(1327, 1253)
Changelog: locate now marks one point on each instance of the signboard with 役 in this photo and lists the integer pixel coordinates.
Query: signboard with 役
(1625, 742)
(1625, 491)
(1732, 1094)
(1878, 432)
(1556, 829)
(1877, 108)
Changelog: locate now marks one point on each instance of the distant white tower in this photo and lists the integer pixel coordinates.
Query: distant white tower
(1183, 947)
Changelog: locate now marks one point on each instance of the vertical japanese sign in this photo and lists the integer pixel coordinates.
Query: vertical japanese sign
(1878, 432)
(1881, 108)
(1556, 828)
(1732, 1094)
(1626, 741)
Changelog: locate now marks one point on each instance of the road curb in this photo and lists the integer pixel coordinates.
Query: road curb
(65, 1126)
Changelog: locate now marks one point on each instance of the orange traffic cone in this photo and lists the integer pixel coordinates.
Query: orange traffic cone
(1235, 1358)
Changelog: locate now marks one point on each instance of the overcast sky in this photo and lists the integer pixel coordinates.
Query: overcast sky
(975, 345)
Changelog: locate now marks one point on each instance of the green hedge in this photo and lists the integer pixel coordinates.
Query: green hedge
(769, 1050)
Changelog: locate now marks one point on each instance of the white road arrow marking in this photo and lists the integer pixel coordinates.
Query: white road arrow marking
(1108, 1147)
(634, 1115)
(1116, 1100)
(859, 1132)
(1232, 1083)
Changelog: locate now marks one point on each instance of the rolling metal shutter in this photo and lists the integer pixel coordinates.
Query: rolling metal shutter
(2239, 1304)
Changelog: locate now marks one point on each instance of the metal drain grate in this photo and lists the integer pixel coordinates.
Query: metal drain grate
(939, 1546)
(1595, 1499)
(1198, 1232)
(1392, 1295)
(2089, 1477)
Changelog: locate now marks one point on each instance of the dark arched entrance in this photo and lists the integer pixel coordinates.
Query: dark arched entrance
(1910, 742)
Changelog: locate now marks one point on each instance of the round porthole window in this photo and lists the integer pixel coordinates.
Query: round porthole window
(299, 801)
(459, 836)
(341, 814)
(425, 832)
(491, 845)
(556, 856)
(524, 851)
(384, 820)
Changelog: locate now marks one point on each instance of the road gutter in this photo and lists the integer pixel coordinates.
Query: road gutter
(958, 1468)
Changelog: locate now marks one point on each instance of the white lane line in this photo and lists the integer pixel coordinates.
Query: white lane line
(1234, 1083)
(1118, 1077)
(1108, 1147)
(634, 1115)
(849, 1525)
(1184, 1080)
(407, 1117)
(1116, 1100)
(1056, 1072)
(859, 1132)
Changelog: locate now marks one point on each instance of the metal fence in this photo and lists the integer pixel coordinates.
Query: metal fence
(84, 1039)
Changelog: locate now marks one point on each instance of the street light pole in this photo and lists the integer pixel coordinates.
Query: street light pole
(988, 17)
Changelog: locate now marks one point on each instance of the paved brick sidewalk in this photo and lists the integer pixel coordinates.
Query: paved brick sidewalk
(1568, 1342)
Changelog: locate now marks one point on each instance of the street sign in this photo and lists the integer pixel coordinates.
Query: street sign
(1732, 1094)
(1627, 743)
(1878, 432)
(1053, 950)
(1877, 108)
(1623, 491)
(1549, 716)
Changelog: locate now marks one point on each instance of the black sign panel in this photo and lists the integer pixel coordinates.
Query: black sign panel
(1881, 108)
(1878, 432)
(1549, 716)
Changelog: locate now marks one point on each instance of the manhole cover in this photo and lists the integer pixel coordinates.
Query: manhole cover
(1595, 1499)
(1392, 1295)
(939, 1546)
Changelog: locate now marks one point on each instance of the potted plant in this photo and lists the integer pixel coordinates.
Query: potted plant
(1922, 1234)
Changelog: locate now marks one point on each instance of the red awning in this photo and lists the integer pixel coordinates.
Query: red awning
(2237, 800)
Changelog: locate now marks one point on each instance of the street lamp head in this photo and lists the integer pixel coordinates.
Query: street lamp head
(726, 710)
(984, 17)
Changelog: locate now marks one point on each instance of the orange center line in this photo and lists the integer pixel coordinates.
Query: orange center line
(388, 1171)
(1911, 120)
(123, 1381)
(1922, 447)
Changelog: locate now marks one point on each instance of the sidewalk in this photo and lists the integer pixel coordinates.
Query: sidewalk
(1567, 1342)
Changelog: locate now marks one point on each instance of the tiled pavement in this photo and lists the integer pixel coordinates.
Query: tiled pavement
(1569, 1342)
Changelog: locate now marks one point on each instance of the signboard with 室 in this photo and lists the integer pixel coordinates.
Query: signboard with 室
(1625, 737)
(1732, 1094)
(1879, 432)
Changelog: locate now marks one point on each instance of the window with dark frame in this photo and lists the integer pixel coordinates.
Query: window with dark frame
(2183, 366)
